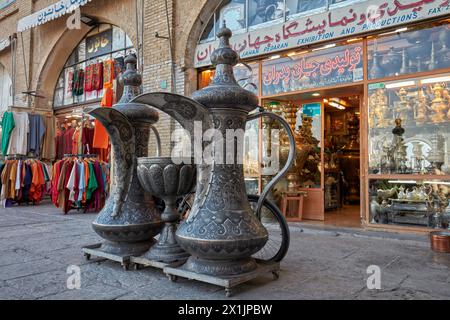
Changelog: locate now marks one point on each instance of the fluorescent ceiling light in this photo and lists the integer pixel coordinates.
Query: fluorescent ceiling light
(316, 94)
(336, 105)
(402, 29)
(403, 181)
(400, 84)
(354, 40)
(434, 80)
(297, 53)
(276, 56)
(332, 45)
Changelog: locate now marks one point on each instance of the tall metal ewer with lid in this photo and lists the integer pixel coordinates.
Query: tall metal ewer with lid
(221, 232)
(129, 220)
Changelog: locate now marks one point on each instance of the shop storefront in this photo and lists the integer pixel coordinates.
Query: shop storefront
(366, 90)
(65, 151)
(90, 79)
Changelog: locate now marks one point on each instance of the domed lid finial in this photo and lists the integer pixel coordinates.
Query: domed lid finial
(130, 79)
(224, 54)
(224, 90)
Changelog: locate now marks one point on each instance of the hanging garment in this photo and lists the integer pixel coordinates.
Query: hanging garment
(75, 139)
(88, 78)
(27, 183)
(48, 144)
(69, 84)
(8, 125)
(60, 144)
(36, 134)
(18, 186)
(98, 76)
(87, 140)
(78, 83)
(68, 140)
(37, 182)
(101, 138)
(19, 136)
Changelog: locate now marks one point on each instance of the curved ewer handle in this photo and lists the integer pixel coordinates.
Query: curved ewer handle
(187, 112)
(121, 133)
(289, 162)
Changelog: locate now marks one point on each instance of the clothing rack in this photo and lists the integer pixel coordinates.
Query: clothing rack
(19, 157)
(81, 155)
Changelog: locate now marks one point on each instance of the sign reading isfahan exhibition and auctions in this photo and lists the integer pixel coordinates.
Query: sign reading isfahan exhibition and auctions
(334, 24)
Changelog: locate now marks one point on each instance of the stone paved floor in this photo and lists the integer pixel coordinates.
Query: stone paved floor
(37, 244)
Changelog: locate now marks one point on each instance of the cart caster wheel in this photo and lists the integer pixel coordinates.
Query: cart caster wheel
(172, 278)
(126, 266)
(136, 267)
(87, 256)
(228, 293)
(276, 275)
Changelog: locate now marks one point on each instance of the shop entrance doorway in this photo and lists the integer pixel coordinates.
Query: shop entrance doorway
(328, 123)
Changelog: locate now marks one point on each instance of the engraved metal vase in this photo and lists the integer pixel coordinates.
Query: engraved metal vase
(169, 181)
(129, 220)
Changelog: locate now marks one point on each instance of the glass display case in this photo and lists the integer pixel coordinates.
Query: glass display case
(419, 202)
(409, 126)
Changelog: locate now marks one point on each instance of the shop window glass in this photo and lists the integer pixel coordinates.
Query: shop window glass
(97, 47)
(303, 6)
(128, 42)
(208, 33)
(418, 203)
(59, 97)
(328, 67)
(118, 39)
(332, 2)
(408, 126)
(234, 13)
(409, 52)
(68, 85)
(246, 76)
(81, 52)
(263, 11)
(5, 89)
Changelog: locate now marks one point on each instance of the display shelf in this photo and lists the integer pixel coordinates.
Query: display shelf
(408, 177)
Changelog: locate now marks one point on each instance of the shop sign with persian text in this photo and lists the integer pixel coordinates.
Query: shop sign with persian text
(330, 67)
(334, 24)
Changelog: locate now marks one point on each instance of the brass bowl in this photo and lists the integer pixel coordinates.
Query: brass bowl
(440, 241)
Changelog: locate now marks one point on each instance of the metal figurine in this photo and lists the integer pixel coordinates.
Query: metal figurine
(129, 220)
(163, 178)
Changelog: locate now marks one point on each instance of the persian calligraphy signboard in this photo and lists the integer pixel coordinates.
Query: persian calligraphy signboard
(337, 23)
(334, 66)
(49, 13)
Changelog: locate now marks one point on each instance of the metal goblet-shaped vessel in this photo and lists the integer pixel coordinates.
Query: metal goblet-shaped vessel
(164, 179)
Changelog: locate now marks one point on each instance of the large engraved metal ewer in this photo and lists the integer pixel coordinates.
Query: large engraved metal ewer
(129, 220)
(164, 179)
(221, 232)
